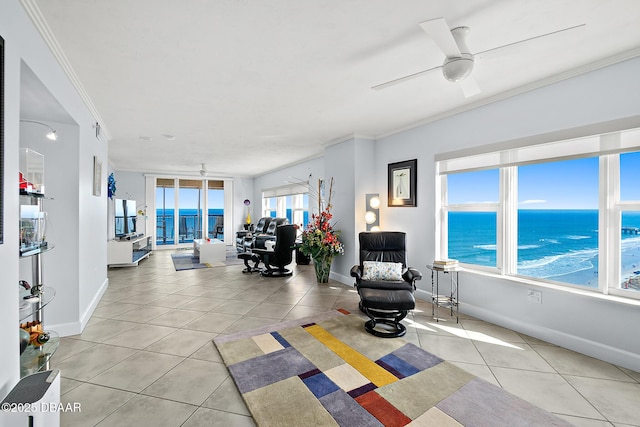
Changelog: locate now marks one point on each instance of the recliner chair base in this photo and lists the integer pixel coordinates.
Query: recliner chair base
(276, 273)
(387, 307)
(246, 257)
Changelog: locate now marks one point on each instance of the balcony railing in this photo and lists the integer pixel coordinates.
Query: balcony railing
(188, 228)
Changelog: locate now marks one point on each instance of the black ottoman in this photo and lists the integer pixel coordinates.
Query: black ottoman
(248, 256)
(386, 306)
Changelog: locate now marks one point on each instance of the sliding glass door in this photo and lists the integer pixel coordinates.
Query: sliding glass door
(185, 211)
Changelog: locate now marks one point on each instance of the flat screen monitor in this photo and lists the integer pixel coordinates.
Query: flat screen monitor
(125, 217)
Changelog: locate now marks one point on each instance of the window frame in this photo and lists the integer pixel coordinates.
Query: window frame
(507, 160)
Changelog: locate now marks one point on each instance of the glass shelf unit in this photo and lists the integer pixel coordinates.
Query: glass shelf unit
(28, 307)
(34, 359)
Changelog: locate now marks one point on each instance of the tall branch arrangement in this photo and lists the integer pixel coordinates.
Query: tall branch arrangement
(319, 239)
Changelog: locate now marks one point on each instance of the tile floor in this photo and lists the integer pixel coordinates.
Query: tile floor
(146, 357)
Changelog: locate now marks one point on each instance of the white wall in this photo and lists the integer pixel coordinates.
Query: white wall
(79, 269)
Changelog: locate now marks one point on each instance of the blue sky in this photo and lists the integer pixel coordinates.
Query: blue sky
(189, 199)
(568, 184)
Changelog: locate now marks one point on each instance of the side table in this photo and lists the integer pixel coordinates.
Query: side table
(448, 300)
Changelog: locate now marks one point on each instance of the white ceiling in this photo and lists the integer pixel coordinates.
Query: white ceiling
(247, 86)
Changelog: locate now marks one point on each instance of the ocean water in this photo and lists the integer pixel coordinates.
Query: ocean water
(189, 223)
(552, 244)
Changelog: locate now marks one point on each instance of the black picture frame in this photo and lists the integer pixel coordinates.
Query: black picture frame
(1, 140)
(402, 183)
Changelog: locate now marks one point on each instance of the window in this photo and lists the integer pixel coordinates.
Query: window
(189, 199)
(629, 206)
(472, 206)
(558, 221)
(566, 212)
(290, 201)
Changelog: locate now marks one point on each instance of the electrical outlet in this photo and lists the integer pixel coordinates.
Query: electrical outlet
(534, 296)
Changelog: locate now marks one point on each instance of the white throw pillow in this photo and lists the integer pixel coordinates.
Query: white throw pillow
(374, 270)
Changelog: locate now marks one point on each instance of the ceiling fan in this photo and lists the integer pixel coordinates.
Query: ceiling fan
(459, 61)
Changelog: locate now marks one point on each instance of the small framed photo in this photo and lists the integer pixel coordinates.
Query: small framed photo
(97, 176)
(403, 181)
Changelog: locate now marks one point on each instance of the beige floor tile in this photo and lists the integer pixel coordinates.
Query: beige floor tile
(233, 306)
(207, 352)
(203, 304)
(142, 314)
(451, 348)
(137, 371)
(67, 384)
(149, 411)
(140, 337)
(270, 310)
(113, 309)
(227, 398)
(96, 403)
(182, 342)
(247, 323)
(549, 391)
(192, 381)
(616, 400)
(176, 318)
(480, 371)
(91, 362)
(172, 301)
(69, 347)
(101, 332)
(571, 363)
(213, 322)
(212, 417)
(493, 331)
(512, 355)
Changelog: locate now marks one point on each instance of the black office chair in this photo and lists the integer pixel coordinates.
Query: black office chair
(384, 282)
(282, 253)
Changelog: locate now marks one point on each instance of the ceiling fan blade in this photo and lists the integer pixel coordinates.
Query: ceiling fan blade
(439, 31)
(469, 87)
(403, 79)
(530, 38)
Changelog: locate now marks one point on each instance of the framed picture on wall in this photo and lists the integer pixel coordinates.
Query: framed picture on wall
(402, 182)
(97, 176)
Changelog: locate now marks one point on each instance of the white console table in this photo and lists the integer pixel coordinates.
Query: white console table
(209, 251)
(128, 253)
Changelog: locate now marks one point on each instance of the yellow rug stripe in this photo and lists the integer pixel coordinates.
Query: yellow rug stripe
(373, 372)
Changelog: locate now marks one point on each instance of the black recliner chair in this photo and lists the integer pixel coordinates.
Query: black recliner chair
(384, 282)
(244, 238)
(282, 253)
(265, 231)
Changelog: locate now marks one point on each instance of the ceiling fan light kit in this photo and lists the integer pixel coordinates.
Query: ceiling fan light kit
(459, 62)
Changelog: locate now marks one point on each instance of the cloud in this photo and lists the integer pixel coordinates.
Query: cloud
(532, 202)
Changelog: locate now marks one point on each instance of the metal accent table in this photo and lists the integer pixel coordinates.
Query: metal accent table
(449, 300)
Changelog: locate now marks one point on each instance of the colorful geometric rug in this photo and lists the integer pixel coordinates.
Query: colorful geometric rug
(325, 370)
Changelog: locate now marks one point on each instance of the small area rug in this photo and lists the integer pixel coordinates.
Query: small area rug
(325, 370)
(187, 262)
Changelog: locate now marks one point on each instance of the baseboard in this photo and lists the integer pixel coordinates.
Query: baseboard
(345, 280)
(76, 328)
(86, 316)
(581, 345)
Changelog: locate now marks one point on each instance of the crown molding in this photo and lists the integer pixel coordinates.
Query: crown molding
(33, 11)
